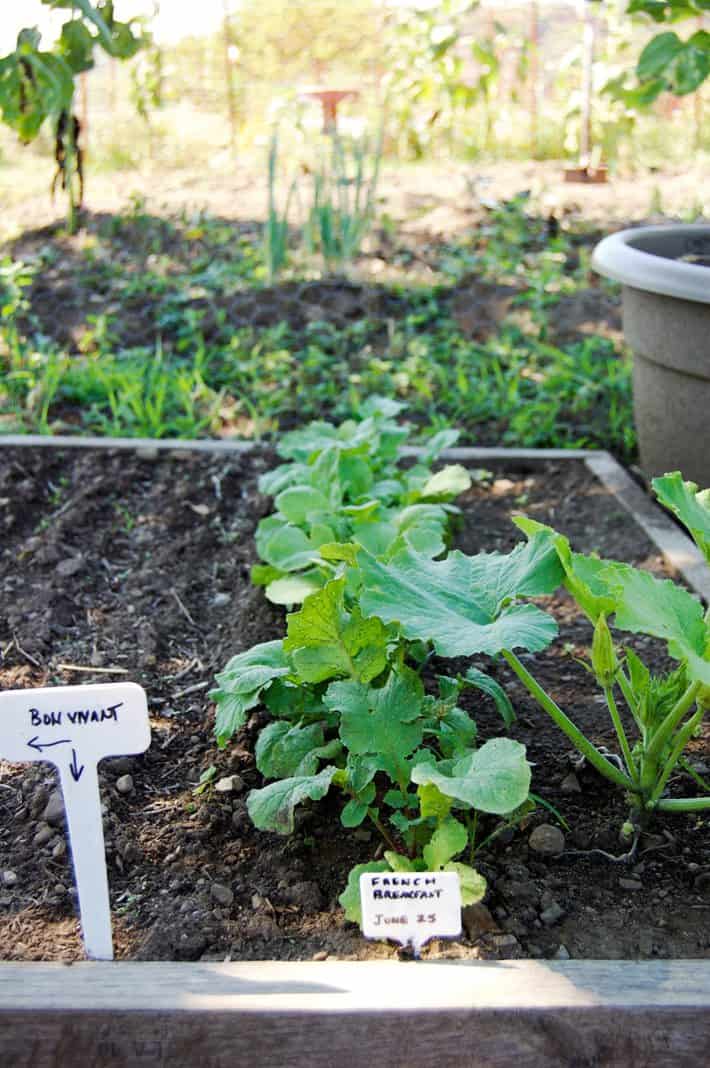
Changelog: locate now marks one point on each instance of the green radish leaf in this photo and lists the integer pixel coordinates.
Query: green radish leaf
(283, 751)
(326, 640)
(447, 483)
(264, 574)
(298, 502)
(354, 813)
(494, 778)
(432, 803)
(385, 722)
(399, 863)
(450, 838)
(350, 897)
(284, 545)
(241, 683)
(444, 439)
(473, 885)
(293, 589)
(272, 807)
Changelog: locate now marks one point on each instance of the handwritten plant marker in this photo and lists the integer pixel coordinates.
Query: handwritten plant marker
(411, 907)
(74, 727)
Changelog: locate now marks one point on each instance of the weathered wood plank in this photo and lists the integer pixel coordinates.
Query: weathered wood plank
(218, 445)
(420, 1015)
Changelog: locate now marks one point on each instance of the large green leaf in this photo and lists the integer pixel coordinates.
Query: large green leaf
(473, 885)
(460, 604)
(647, 605)
(292, 589)
(384, 721)
(494, 778)
(283, 750)
(350, 897)
(658, 54)
(422, 525)
(447, 483)
(272, 807)
(241, 683)
(284, 545)
(298, 502)
(326, 640)
(449, 838)
(582, 574)
(689, 504)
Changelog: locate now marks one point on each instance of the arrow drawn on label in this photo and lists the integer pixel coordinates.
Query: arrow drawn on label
(74, 768)
(39, 746)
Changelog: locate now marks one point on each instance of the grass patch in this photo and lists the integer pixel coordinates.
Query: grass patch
(151, 326)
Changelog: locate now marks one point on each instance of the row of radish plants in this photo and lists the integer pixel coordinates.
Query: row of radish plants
(360, 540)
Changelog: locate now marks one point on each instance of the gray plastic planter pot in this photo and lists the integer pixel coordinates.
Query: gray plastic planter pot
(665, 274)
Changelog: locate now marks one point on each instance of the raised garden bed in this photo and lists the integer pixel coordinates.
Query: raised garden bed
(133, 562)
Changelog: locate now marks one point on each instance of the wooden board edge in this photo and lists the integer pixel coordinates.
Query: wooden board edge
(678, 550)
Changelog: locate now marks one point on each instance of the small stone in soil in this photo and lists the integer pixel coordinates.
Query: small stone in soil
(562, 953)
(702, 882)
(72, 566)
(59, 849)
(124, 785)
(477, 920)
(321, 955)
(570, 784)
(547, 840)
(54, 810)
(552, 914)
(9, 878)
(44, 835)
(630, 884)
(221, 600)
(230, 784)
(223, 895)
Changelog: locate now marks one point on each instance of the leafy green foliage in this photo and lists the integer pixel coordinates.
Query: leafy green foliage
(343, 488)
(242, 683)
(494, 778)
(464, 604)
(689, 505)
(666, 709)
(349, 707)
(171, 364)
(668, 63)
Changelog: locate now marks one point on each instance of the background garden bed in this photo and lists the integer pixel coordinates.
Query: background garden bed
(135, 564)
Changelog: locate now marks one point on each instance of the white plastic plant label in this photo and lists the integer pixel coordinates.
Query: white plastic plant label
(411, 907)
(74, 727)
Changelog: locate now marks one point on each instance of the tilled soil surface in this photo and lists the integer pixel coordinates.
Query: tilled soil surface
(135, 565)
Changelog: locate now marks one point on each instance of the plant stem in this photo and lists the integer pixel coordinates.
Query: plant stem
(662, 736)
(628, 693)
(621, 734)
(382, 830)
(603, 766)
(679, 745)
(682, 804)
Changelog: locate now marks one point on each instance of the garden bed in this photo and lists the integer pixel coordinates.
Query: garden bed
(134, 564)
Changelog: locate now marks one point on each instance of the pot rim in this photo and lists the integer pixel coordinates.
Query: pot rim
(619, 256)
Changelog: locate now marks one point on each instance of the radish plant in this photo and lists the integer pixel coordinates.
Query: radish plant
(347, 483)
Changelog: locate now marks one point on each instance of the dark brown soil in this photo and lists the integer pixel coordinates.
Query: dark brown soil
(139, 564)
